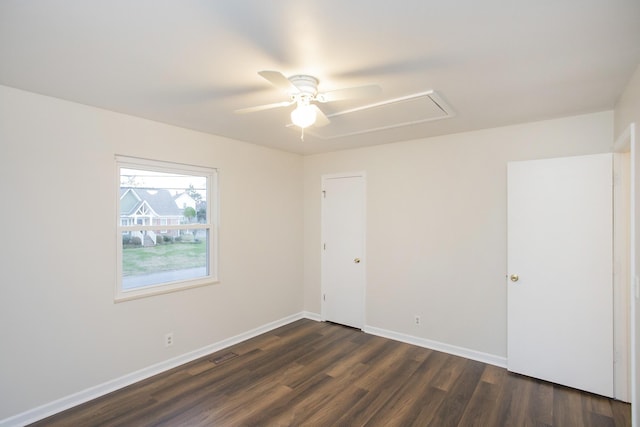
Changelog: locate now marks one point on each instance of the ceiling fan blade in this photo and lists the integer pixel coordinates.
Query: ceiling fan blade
(278, 79)
(321, 118)
(264, 107)
(349, 93)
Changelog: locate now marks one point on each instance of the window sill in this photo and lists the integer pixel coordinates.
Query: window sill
(165, 288)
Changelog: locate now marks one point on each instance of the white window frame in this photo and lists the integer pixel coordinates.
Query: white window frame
(211, 226)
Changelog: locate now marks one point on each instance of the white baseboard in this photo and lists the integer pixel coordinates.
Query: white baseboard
(91, 393)
(439, 346)
(312, 316)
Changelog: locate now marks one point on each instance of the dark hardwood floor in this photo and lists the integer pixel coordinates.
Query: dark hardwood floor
(322, 374)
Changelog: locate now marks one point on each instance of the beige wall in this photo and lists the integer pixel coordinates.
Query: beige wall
(628, 106)
(436, 225)
(628, 111)
(61, 331)
(436, 239)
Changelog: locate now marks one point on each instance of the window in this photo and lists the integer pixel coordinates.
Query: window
(166, 227)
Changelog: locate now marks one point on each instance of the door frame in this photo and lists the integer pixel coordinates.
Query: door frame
(622, 289)
(323, 286)
(626, 143)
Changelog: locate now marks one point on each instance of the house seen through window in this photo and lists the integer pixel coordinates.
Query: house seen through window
(166, 227)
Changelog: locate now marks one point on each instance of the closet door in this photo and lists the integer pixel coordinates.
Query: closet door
(560, 288)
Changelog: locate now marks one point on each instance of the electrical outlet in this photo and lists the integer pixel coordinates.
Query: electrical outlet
(168, 339)
(416, 320)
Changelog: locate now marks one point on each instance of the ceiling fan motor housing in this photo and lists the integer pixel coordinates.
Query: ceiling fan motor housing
(307, 85)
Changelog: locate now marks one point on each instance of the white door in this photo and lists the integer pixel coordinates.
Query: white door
(560, 303)
(343, 261)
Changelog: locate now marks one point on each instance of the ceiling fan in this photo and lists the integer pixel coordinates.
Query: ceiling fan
(302, 90)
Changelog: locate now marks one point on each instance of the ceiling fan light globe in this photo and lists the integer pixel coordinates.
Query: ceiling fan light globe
(303, 116)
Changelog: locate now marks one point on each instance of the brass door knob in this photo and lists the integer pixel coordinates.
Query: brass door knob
(514, 277)
(357, 260)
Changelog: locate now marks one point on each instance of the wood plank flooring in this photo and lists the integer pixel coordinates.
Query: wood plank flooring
(322, 374)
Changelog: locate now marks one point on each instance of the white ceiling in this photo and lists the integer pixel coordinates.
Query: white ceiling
(192, 63)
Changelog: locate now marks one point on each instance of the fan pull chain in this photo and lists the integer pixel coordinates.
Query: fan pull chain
(302, 134)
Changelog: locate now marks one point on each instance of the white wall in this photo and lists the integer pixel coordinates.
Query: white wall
(628, 111)
(436, 225)
(61, 331)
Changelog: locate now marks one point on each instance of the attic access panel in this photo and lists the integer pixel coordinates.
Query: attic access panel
(398, 112)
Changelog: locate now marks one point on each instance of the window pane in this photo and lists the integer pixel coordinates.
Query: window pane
(150, 197)
(177, 255)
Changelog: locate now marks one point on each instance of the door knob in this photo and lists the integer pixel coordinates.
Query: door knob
(357, 260)
(514, 277)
